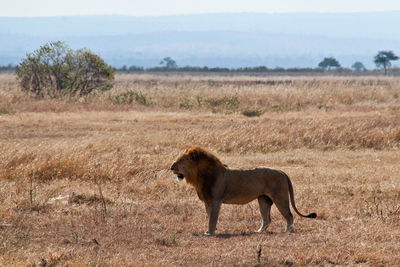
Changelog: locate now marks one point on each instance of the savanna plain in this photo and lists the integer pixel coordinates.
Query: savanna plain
(87, 181)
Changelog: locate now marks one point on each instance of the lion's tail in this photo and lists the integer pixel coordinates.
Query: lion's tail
(311, 215)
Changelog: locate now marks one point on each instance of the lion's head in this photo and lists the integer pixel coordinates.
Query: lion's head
(199, 168)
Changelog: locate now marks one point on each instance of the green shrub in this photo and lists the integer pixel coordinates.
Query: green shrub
(130, 97)
(185, 105)
(56, 70)
(225, 102)
(6, 111)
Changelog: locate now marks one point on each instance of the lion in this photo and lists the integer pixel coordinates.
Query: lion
(215, 184)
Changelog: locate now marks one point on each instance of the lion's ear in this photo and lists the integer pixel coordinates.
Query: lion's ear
(194, 155)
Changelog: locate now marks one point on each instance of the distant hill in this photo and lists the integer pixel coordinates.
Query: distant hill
(223, 40)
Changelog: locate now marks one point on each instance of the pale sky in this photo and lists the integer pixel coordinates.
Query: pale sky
(35, 8)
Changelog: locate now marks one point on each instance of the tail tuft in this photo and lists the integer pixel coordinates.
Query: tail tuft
(312, 215)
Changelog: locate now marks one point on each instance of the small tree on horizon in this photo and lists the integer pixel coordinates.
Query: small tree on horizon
(169, 63)
(383, 58)
(328, 63)
(358, 66)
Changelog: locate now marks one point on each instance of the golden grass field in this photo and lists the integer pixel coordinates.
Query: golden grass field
(86, 182)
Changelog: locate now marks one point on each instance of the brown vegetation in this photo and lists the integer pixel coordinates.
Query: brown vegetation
(86, 181)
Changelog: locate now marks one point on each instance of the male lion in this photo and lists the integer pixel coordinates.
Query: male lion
(216, 184)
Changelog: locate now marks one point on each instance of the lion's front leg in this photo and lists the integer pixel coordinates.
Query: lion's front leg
(208, 210)
(265, 204)
(212, 209)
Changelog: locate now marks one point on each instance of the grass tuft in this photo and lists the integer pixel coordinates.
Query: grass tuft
(253, 112)
(130, 97)
(168, 242)
(89, 199)
(4, 111)
(231, 103)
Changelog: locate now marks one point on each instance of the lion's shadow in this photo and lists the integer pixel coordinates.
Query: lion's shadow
(230, 235)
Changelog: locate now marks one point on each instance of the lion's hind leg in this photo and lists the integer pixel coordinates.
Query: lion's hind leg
(283, 207)
(265, 204)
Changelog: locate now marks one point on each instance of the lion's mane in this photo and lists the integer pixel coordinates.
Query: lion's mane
(206, 172)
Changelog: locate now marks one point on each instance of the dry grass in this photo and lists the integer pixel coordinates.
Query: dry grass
(87, 181)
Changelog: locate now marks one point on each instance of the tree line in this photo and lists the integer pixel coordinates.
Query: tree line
(56, 70)
(382, 61)
(7, 69)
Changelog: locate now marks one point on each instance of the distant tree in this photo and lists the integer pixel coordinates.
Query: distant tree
(358, 66)
(169, 63)
(383, 58)
(55, 69)
(328, 63)
(135, 69)
(7, 69)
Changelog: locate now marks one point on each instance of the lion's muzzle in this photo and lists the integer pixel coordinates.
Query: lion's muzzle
(180, 175)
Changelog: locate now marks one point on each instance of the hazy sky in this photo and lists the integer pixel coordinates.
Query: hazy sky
(32, 8)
